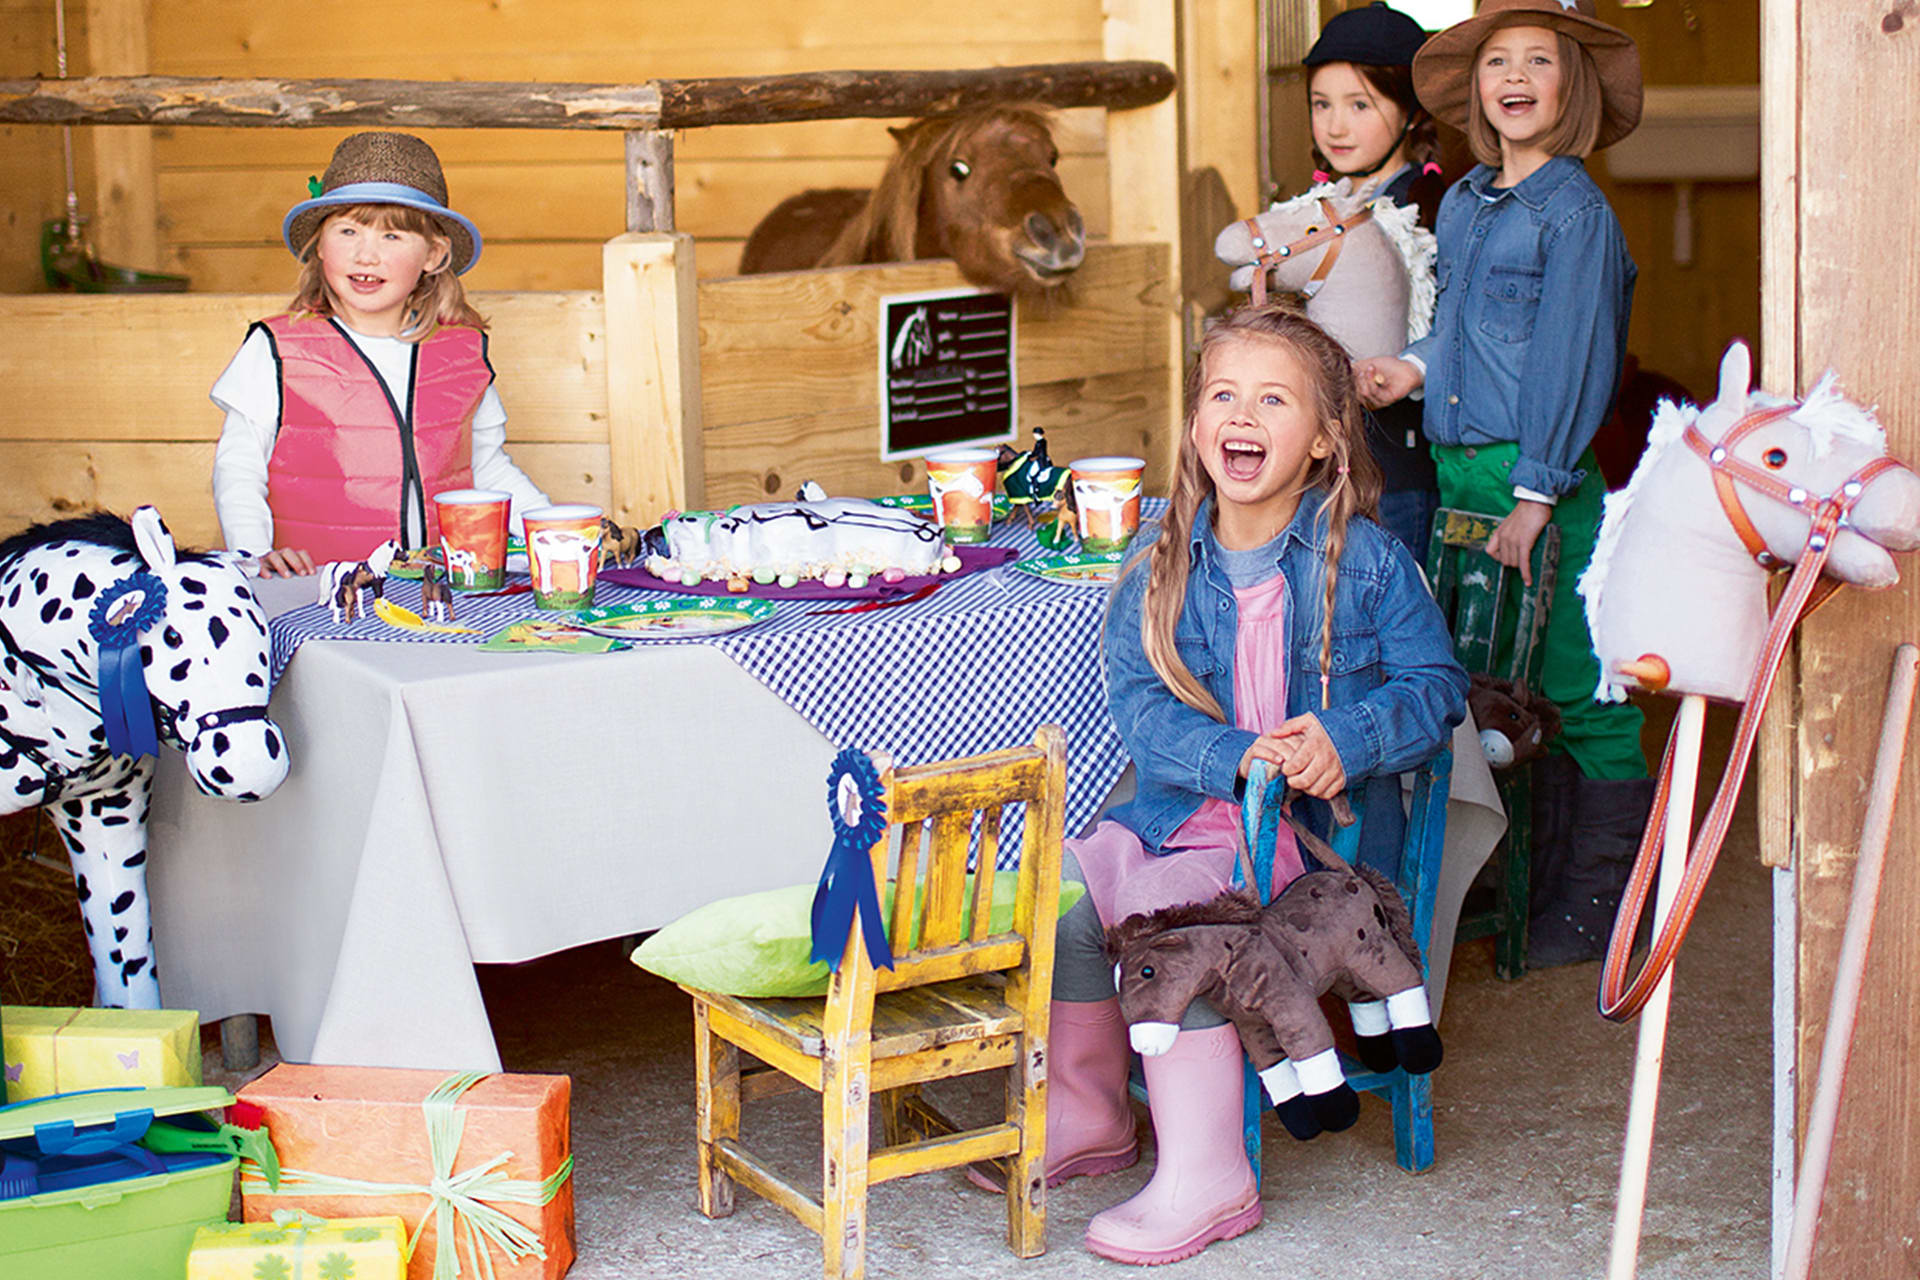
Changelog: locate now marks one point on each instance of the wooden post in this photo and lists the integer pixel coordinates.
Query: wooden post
(650, 180)
(1145, 162)
(1220, 76)
(657, 462)
(126, 224)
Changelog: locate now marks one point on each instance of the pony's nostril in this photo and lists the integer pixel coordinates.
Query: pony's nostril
(1040, 230)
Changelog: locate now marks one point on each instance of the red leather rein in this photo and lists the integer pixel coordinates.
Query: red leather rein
(1805, 591)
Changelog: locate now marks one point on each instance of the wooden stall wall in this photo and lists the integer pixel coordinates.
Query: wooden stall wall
(547, 201)
(1842, 273)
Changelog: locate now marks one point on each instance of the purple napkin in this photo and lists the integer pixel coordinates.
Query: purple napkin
(972, 559)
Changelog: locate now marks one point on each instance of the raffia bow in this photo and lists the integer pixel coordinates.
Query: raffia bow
(463, 1204)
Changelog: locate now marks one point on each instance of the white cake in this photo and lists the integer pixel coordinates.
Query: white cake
(838, 541)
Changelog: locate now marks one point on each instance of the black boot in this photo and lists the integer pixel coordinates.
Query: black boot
(1555, 778)
(1609, 817)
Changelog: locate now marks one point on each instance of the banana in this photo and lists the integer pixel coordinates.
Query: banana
(398, 615)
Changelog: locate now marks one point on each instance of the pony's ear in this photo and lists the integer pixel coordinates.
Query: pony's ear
(151, 536)
(1736, 378)
(900, 132)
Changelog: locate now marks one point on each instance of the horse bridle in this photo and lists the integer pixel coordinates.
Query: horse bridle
(1333, 234)
(1805, 591)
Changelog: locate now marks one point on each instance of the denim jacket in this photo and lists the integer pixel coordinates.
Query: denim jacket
(1531, 324)
(1396, 689)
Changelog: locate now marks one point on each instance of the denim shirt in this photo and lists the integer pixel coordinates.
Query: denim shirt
(1396, 689)
(1531, 325)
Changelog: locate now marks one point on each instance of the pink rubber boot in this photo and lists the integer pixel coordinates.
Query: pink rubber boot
(1202, 1188)
(1089, 1119)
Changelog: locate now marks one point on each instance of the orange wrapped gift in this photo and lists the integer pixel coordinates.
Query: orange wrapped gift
(356, 1142)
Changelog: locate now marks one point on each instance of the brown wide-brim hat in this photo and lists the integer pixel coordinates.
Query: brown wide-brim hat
(384, 168)
(1443, 69)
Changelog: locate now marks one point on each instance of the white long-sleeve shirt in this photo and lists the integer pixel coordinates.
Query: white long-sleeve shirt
(249, 392)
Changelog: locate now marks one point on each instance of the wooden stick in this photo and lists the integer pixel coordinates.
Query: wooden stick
(1650, 1056)
(652, 104)
(1850, 974)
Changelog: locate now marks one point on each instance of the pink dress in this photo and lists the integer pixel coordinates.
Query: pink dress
(1198, 861)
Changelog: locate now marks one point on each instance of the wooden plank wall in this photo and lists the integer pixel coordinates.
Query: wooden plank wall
(788, 366)
(545, 200)
(1842, 291)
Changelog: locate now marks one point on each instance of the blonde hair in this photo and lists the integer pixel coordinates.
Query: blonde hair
(1581, 107)
(1348, 476)
(437, 297)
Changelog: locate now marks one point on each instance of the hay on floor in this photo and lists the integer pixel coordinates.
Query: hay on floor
(43, 950)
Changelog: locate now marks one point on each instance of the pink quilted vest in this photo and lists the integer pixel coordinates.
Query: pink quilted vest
(347, 454)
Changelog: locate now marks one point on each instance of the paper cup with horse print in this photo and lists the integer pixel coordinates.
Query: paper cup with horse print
(961, 481)
(563, 553)
(1106, 498)
(473, 537)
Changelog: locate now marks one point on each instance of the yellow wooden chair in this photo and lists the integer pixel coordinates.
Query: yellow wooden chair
(952, 1005)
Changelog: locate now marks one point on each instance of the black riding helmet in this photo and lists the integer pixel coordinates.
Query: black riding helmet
(1376, 36)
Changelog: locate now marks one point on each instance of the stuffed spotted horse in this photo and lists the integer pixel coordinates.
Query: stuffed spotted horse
(111, 642)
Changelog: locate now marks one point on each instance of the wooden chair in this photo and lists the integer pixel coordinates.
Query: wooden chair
(952, 1005)
(1410, 1096)
(1498, 626)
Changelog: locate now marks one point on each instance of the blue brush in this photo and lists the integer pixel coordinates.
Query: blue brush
(19, 1177)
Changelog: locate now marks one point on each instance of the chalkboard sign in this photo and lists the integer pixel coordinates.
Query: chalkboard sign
(946, 371)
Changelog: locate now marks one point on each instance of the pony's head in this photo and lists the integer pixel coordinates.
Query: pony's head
(980, 188)
(206, 656)
(1163, 959)
(1817, 447)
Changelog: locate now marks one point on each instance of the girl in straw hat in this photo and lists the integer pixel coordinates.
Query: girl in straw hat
(373, 391)
(1519, 372)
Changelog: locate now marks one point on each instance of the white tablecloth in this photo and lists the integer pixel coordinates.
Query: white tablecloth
(449, 807)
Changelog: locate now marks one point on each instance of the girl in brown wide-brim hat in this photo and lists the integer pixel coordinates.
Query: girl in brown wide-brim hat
(1519, 372)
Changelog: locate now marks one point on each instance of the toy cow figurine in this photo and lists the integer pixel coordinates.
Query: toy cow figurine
(342, 581)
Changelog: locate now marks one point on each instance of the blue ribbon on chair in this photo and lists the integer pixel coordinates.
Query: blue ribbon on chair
(126, 707)
(858, 808)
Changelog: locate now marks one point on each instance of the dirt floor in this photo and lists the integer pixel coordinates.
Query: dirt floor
(1529, 1108)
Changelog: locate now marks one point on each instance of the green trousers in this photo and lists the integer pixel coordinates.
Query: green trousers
(1602, 737)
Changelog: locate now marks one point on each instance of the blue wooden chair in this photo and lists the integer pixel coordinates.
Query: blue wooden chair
(1410, 1096)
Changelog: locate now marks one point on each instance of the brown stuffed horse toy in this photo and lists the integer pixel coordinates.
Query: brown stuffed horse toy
(978, 187)
(1265, 968)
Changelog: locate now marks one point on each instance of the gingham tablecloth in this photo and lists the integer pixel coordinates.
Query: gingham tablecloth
(974, 667)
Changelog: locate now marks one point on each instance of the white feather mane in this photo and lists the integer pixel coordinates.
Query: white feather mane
(1415, 244)
(1670, 422)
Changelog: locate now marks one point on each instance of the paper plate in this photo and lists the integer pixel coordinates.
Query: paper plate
(921, 504)
(1078, 570)
(675, 619)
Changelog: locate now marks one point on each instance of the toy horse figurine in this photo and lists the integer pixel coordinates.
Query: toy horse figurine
(1265, 968)
(618, 544)
(436, 597)
(342, 581)
(1365, 267)
(113, 643)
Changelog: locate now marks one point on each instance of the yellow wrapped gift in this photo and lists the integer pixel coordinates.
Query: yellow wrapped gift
(46, 1051)
(297, 1246)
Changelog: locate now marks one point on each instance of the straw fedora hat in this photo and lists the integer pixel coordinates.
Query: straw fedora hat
(1443, 69)
(384, 168)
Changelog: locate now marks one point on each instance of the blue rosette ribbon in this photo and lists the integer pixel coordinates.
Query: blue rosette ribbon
(126, 707)
(858, 808)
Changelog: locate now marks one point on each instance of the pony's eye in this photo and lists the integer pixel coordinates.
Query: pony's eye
(1146, 971)
(1775, 458)
(959, 169)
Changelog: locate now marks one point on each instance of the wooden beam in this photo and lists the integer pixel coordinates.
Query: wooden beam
(126, 222)
(653, 376)
(649, 180)
(656, 104)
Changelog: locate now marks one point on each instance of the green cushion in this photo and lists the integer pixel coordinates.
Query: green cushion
(757, 944)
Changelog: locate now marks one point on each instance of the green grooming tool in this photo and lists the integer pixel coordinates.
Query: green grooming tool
(228, 1139)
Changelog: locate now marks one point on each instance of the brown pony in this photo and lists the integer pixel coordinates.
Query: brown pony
(1265, 968)
(978, 187)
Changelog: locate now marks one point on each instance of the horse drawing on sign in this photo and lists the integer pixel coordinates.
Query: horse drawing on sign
(115, 642)
(978, 187)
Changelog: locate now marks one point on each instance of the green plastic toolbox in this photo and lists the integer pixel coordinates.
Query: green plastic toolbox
(81, 1200)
